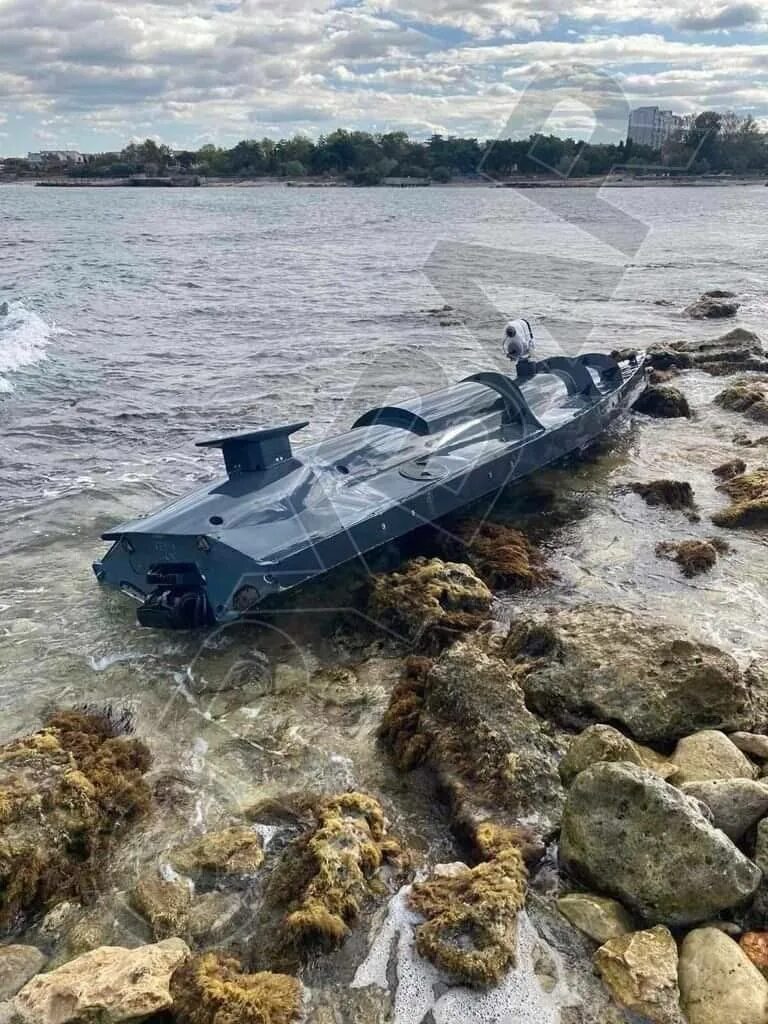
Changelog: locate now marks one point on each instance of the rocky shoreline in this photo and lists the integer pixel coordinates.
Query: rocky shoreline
(598, 784)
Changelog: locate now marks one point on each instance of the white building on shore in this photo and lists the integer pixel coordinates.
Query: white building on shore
(650, 126)
(52, 157)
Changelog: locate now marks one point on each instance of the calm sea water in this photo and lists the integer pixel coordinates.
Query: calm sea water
(142, 321)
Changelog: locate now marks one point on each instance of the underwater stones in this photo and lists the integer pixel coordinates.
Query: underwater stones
(693, 556)
(633, 836)
(470, 930)
(468, 716)
(429, 594)
(749, 397)
(711, 307)
(17, 965)
(718, 981)
(749, 500)
(65, 793)
(225, 855)
(598, 917)
(213, 989)
(640, 969)
(109, 985)
(736, 804)
(676, 494)
(501, 556)
(604, 743)
(163, 902)
(663, 402)
(603, 663)
(728, 470)
(709, 754)
(211, 914)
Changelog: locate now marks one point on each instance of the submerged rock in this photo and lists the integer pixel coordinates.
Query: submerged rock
(465, 715)
(718, 982)
(65, 793)
(736, 351)
(749, 397)
(712, 307)
(225, 855)
(677, 494)
(633, 836)
(17, 965)
(604, 743)
(728, 470)
(501, 556)
(470, 930)
(430, 601)
(710, 755)
(663, 402)
(736, 804)
(602, 663)
(108, 985)
(213, 989)
(693, 556)
(598, 917)
(163, 902)
(640, 969)
(749, 500)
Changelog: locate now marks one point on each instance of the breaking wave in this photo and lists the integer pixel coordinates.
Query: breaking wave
(24, 337)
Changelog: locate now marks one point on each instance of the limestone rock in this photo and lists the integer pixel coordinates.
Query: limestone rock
(596, 916)
(710, 755)
(663, 402)
(736, 351)
(109, 985)
(746, 396)
(640, 969)
(631, 835)
(17, 965)
(736, 804)
(604, 743)
(227, 854)
(708, 307)
(751, 743)
(718, 982)
(598, 662)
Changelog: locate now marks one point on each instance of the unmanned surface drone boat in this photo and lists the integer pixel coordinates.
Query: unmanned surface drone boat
(282, 516)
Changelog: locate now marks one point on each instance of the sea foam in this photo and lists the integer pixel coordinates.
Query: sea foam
(24, 338)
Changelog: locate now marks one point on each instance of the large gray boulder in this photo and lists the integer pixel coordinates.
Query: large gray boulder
(630, 835)
(601, 663)
(736, 804)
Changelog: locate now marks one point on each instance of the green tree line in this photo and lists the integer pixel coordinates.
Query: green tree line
(713, 143)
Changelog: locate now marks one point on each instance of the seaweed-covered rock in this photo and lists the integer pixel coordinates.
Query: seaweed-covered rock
(693, 556)
(728, 470)
(749, 500)
(213, 989)
(225, 855)
(602, 663)
(324, 879)
(109, 985)
(708, 755)
(718, 982)
(164, 902)
(640, 969)
(604, 743)
(736, 351)
(466, 716)
(471, 917)
(65, 793)
(429, 597)
(663, 402)
(17, 965)
(501, 556)
(677, 494)
(633, 836)
(598, 917)
(711, 307)
(749, 397)
(736, 804)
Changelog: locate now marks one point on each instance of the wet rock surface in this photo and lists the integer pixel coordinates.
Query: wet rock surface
(663, 402)
(749, 501)
(599, 662)
(693, 556)
(676, 494)
(737, 350)
(749, 397)
(628, 834)
(640, 969)
(712, 307)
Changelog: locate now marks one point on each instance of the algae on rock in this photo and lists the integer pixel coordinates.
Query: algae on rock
(693, 556)
(749, 500)
(229, 853)
(748, 396)
(213, 989)
(65, 793)
(502, 556)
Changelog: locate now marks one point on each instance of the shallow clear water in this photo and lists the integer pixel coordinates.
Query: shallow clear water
(140, 322)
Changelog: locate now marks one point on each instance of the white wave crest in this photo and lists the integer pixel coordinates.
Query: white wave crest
(24, 337)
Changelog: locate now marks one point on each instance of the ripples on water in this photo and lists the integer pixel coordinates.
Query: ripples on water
(140, 322)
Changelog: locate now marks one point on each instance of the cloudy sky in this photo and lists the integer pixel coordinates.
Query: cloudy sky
(91, 74)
